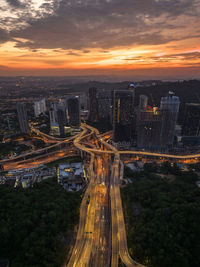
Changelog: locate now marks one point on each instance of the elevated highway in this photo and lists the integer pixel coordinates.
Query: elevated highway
(89, 249)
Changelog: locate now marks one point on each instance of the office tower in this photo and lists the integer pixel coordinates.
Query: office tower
(62, 105)
(83, 101)
(92, 105)
(61, 118)
(58, 118)
(141, 107)
(53, 114)
(39, 107)
(191, 124)
(54, 119)
(143, 102)
(22, 117)
(74, 111)
(169, 107)
(123, 115)
(149, 129)
(104, 105)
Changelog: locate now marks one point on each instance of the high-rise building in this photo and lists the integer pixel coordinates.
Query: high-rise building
(149, 129)
(39, 107)
(169, 107)
(62, 105)
(54, 119)
(22, 117)
(92, 105)
(156, 126)
(104, 105)
(73, 104)
(191, 124)
(61, 118)
(123, 115)
(143, 102)
(58, 118)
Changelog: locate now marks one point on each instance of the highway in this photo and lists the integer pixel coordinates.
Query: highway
(101, 237)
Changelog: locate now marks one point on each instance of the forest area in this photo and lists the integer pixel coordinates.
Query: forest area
(163, 217)
(37, 224)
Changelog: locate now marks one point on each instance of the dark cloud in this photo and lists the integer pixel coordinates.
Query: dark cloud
(4, 37)
(15, 3)
(83, 24)
(168, 57)
(70, 53)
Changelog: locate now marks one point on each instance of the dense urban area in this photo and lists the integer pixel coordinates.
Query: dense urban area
(99, 173)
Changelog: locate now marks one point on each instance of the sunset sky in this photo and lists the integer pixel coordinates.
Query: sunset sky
(141, 38)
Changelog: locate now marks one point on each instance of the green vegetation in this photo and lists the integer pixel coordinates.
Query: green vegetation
(11, 147)
(163, 218)
(36, 224)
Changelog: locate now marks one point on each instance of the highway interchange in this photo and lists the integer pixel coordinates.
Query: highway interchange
(101, 238)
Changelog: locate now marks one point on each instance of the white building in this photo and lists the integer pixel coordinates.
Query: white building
(39, 107)
(71, 176)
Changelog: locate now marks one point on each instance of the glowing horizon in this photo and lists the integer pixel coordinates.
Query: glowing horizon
(41, 44)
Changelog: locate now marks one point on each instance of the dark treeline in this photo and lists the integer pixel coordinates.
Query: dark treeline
(163, 219)
(36, 224)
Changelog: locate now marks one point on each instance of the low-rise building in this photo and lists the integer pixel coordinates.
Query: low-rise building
(27, 177)
(71, 176)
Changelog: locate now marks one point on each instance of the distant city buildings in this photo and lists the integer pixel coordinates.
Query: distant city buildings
(39, 107)
(22, 117)
(8, 124)
(191, 124)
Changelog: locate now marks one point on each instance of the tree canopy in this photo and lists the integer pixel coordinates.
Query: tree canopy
(163, 220)
(36, 224)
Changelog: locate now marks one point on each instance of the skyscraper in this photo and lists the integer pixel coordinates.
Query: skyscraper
(149, 129)
(143, 102)
(104, 105)
(169, 107)
(156, 126)
(191, 124)
(22, 117)
(61, 118)
(39, 107)
(123, 115)
(58, 118)
(54, 119)
(92, 105)
(73, 105)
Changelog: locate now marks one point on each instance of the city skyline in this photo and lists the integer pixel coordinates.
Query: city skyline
(144, 39)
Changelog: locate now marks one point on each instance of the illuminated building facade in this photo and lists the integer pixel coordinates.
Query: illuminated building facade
(169, 107)
(191, 124)
(156, 126)
(123, 115)
(22, 117)
(58, 118)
